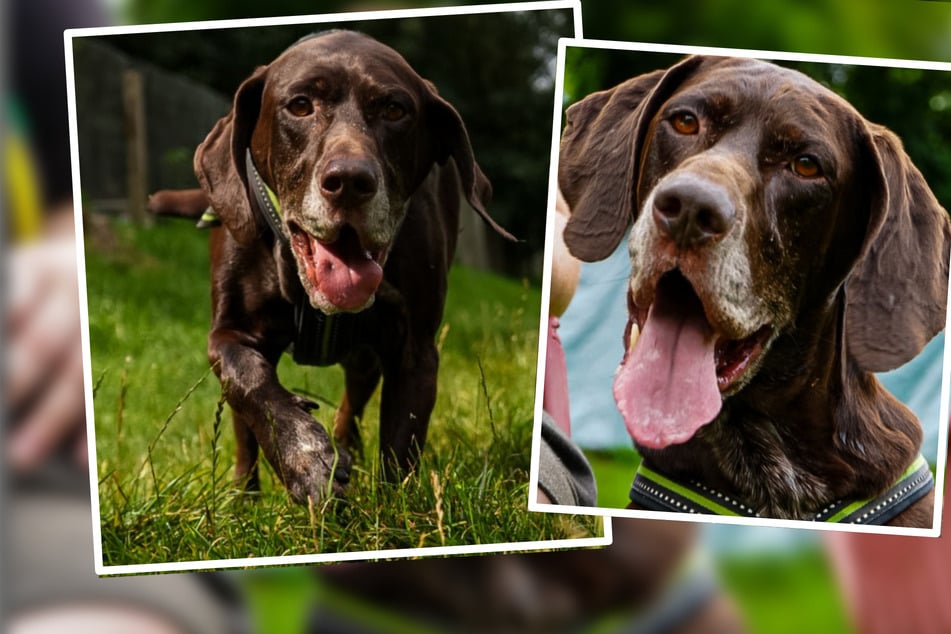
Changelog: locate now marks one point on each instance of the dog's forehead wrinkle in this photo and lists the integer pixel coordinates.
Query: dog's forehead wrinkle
(304, 76)
(709, 99)
(761, 83)
(348, 69)
(798, 132)
(725, 87)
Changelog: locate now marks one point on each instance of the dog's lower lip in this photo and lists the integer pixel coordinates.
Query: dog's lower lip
(302, 238)
(734, 356)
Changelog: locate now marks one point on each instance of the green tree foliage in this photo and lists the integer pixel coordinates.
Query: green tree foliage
(150, 11)
(877, 28)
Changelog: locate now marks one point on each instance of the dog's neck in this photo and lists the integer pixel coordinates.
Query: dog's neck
(811, 427)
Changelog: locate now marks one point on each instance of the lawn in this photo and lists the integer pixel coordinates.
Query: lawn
(164, 446)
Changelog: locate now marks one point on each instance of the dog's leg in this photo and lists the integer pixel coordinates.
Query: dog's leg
(362, 374)
(296, 445)
(246, 456)
(409, 394)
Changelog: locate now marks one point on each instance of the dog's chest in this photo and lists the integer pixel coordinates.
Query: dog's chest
(747, 456)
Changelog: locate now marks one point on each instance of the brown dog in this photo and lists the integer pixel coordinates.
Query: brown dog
(783, 248)
(337, 178)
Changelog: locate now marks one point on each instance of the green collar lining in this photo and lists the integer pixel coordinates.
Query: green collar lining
(265, 198)
(656, 492)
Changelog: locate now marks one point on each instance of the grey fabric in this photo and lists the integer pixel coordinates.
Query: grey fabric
(563, 472)
(49, 563)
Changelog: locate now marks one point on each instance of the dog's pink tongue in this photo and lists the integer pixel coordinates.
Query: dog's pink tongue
(345, 274)
(666, 386)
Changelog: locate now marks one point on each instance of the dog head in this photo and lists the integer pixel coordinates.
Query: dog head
(759, 204)
(343, 131)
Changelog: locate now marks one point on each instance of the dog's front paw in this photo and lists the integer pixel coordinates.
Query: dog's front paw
(307, 462)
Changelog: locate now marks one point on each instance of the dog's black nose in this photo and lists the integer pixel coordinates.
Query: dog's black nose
(348, 181)
(692, 211)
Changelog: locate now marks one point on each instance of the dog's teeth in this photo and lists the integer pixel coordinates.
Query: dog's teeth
(635, 333)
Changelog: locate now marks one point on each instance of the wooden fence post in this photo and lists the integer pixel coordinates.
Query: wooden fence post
(133, 106)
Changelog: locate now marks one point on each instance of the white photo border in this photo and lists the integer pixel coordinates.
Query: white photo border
(534, 504)
(101, 569)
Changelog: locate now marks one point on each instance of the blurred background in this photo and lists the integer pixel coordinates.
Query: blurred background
(781, 580)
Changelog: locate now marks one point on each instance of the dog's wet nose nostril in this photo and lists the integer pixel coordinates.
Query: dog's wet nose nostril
(347, 182)
(691, 211)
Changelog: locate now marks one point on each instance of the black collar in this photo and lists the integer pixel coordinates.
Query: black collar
(265, 198)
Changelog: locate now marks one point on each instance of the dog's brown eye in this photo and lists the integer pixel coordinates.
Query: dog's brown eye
(393, 111)
(300, 107)
(685, 123)
(806, 166)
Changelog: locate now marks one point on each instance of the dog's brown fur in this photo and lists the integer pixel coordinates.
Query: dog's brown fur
(843, 273)
(360, 149)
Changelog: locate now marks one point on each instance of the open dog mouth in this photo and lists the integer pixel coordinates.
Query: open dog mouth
(677, 366)
(340, 275)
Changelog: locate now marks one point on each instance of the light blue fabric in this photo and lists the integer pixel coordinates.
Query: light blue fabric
(917, 384)
(591, 332)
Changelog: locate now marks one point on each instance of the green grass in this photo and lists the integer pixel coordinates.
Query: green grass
(279, 599)
(614, 472)
(786, 593)
(165, 447)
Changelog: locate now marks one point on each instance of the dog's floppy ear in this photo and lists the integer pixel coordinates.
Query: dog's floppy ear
(219, 161)
(898, 292)
(600, 153)
(452, 140)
